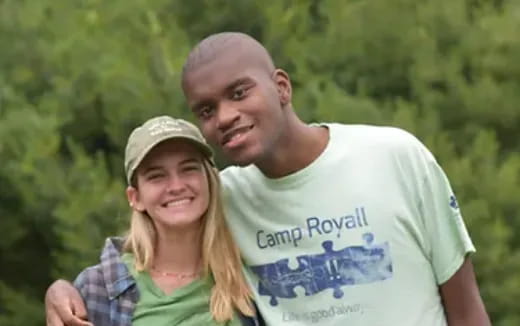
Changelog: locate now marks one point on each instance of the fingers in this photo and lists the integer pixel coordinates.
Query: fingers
(79, 313)
(77, 305)
(76, 321)
(51, 315)
(52, 318)
(65, 318)
(64, 306)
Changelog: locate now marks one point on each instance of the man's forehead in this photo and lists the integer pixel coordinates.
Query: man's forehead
(219, 58)
(217, 75)
(225, 61)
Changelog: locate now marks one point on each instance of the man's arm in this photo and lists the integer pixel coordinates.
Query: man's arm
(461, 298)
(64, 305)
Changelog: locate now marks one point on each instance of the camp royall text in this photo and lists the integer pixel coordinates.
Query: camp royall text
(314, 226)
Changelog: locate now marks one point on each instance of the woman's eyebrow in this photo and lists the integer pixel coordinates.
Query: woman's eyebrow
(191, 160)
(151, 168)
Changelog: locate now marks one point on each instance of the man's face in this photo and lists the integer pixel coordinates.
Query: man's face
(238, 107)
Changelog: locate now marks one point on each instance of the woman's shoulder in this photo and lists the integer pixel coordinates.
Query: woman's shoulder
(90, 280)
(95, 279)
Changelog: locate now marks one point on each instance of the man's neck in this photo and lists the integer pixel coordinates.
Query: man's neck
(301, 146)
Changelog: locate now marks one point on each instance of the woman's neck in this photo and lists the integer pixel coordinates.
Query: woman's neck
(177, 260)
(178, 252)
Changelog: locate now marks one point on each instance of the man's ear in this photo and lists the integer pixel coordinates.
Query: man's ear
(283, 85)
(132, 194)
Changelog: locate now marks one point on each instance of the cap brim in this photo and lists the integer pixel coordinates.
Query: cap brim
(204, 148)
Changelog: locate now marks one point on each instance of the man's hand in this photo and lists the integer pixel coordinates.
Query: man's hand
(64, 306)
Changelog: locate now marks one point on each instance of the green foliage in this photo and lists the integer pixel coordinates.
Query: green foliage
(77, 76)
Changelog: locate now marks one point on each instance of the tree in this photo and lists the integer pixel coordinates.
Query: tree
(77, 76)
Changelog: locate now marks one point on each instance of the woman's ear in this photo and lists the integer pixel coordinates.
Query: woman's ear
(132, 194)
(283, 85)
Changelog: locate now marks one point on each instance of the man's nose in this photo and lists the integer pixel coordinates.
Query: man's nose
(227, 116)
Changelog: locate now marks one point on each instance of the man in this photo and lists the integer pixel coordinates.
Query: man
(338, 224)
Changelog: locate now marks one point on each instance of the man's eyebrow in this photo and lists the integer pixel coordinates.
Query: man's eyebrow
(238, 82)
(197, 106)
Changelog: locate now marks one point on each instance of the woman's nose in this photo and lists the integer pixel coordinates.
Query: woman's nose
(175, 184)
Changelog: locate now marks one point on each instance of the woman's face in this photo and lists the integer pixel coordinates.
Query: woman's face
(172, 185)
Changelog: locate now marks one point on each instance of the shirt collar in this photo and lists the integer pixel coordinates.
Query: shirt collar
(115, 273)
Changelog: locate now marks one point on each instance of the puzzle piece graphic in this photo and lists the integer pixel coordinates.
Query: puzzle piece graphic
(329, 270)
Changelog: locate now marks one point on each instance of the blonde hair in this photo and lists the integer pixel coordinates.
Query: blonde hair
(220, 255)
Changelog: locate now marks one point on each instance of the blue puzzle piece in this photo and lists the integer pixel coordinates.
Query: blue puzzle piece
(278, 280)
(329, 270)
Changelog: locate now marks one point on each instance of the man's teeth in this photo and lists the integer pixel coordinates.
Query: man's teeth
(178, 203)
(238, 134)
(235, 136)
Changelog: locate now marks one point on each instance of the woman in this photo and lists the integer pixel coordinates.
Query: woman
(178, 264)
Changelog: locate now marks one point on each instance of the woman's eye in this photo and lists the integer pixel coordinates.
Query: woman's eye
(191, 168)
(154, 176)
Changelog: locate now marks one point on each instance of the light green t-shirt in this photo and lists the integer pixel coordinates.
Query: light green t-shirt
(186, 306)
(362, 236)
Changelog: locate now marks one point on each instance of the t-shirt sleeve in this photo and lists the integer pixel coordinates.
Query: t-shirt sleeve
(448, 238)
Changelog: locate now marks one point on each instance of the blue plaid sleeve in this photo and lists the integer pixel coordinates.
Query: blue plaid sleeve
(91, 286)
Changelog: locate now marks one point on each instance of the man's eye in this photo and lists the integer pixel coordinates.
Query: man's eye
(239, 93)
(205, 112)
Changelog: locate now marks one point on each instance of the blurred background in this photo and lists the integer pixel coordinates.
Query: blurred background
(77, 75)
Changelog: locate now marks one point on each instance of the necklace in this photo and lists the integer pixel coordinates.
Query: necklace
(176, 275)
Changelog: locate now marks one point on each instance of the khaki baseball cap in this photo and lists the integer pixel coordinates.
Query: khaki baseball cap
(156, 130)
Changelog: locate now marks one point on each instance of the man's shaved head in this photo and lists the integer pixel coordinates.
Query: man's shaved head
(242, 102)
(220, 45)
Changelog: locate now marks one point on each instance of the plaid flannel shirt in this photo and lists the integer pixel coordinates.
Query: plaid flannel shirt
(108, 289)
(110, 292)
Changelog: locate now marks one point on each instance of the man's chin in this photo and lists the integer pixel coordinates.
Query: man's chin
(240, 159)
(241, 163)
